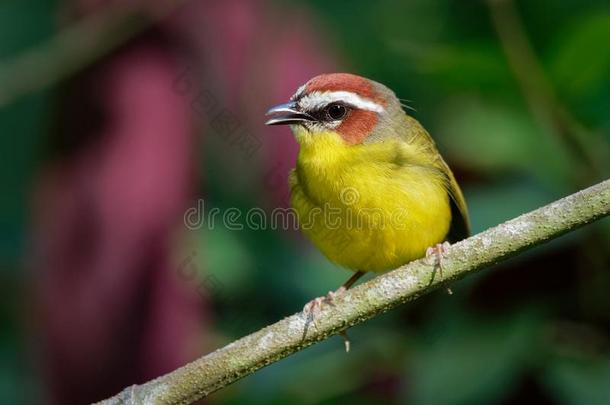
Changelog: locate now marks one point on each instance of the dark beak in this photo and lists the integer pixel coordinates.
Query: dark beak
(287, 113)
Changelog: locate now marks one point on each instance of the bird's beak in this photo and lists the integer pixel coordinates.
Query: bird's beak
(287, 113)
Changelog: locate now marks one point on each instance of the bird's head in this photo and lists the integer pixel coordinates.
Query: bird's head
(356, 109)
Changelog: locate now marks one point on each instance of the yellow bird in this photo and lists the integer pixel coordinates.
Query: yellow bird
(370, 188)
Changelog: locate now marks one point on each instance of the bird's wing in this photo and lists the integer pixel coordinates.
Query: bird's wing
(414, 133)
(460, 221)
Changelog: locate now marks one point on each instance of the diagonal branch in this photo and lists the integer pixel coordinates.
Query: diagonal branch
(248, 354)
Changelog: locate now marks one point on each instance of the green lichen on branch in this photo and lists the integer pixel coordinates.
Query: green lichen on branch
(248, 354)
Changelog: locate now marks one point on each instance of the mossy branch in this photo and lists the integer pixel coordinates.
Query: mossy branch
(248, 354)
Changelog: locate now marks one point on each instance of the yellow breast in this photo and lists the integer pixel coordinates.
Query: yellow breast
(367, 207)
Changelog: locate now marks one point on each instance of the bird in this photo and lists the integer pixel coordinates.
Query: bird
(369, 188)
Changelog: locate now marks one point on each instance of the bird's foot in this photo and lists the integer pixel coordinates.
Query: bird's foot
(434, 256)
(316, 304)
(330, 297)
(312, 307)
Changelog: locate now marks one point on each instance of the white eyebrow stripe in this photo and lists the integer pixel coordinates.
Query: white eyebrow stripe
(318, 99)
(300, 91)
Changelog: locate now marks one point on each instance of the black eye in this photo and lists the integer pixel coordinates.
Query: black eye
(335, 111)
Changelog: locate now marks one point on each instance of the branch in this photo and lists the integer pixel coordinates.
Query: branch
(248, 354)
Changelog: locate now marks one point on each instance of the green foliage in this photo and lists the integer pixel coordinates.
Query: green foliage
(580, 66)
(497, 139)
(580, 381)
(473, 360)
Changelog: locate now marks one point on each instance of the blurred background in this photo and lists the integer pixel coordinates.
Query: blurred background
(118, 117)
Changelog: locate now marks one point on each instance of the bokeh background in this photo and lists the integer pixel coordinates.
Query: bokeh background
(116, 117)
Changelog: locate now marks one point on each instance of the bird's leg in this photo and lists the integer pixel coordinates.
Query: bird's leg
(311, 306)
(344, 287)
(436, 252)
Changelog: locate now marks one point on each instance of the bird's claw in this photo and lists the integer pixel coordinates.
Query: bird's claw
(330, 297)
(310, 308)
(346, 341)
(316, 304)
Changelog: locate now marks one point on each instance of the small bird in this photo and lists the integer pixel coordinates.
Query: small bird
(370, 188)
